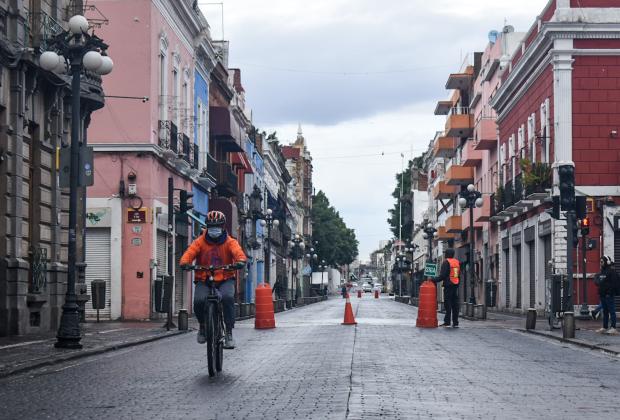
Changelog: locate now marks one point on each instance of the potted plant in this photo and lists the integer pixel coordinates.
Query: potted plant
(536, 177)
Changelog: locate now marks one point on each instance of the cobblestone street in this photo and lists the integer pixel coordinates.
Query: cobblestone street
(310, 366)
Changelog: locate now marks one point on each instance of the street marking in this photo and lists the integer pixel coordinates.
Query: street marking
(27, 343)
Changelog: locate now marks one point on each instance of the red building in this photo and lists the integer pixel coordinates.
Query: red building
(559, 102)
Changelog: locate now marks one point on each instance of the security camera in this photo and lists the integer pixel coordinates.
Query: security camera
(145, 99)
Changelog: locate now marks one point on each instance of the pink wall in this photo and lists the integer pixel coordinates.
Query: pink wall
(134, 34)
(129, 37)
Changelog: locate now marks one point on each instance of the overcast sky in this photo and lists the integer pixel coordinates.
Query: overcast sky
(362, 77)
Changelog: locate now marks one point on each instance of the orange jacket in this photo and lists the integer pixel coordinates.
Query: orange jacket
(206, 253)
(455, 270)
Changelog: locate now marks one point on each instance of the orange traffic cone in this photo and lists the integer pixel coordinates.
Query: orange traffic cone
(349, 319)
(264, 317)
(359, 293)
(427, 307)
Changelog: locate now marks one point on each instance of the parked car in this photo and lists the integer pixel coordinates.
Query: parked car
(367, 287)
(379, 287)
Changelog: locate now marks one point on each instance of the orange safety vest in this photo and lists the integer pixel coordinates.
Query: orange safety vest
(455, 270)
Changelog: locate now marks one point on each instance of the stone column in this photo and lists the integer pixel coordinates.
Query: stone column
(562, 100)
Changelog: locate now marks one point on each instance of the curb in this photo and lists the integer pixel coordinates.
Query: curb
(576, 342)
(86, 353)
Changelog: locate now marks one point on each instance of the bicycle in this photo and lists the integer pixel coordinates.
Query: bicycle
(213, 327)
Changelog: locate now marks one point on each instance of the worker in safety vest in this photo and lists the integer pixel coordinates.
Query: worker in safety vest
(450, 274)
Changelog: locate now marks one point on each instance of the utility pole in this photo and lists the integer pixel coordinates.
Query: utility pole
(168, 283)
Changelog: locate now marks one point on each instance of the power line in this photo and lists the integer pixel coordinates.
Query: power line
(343, 73)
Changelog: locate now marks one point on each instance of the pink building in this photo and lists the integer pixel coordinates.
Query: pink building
(138, 146)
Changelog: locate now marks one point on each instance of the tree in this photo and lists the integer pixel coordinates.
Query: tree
(406, 225)
(337, 244)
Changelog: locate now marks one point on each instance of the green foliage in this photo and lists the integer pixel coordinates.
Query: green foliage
(337, 244)
(403, 177)
(536, 176)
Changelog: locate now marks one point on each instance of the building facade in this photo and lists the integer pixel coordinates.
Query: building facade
(35, 114)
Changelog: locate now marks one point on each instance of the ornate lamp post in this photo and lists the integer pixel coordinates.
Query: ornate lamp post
(270, 222)
(410, 250)
(323, 266)
(471, 198)
(429, 234)
(312, 258)
(297, 247)
(77, 49)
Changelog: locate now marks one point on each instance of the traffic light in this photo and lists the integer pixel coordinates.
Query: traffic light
(575, 228)
(585, 226)
(581, 210)
(554, 211)
(567, 187)
(184, 205)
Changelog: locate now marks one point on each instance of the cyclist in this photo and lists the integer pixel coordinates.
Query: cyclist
(215, 248)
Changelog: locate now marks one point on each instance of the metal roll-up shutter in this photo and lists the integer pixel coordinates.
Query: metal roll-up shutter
(507, 276)
(532, 249)
(98, 267)
(518, 279)
(162, 253)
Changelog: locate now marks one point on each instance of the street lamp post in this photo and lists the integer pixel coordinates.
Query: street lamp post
(312, 258)
(429, 234)
(322, 266)
(79, 49)
(270, 222)
(297, 247)
(410, 250)
(470, 198)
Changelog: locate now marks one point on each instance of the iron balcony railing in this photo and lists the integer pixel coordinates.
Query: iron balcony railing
(196, 162)
(167, 135)
(508, 195)
(187, 149)
(518, 189)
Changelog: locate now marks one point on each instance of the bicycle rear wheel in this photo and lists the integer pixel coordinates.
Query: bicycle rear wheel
(211, 335)
(219, 352)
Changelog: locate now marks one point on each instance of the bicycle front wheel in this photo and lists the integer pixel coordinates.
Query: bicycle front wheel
(211, 336)
(219, 352)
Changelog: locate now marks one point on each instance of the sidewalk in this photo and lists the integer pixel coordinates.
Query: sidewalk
(585, 331)
(19, 354)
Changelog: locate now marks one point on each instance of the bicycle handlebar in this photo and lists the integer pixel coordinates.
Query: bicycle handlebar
(211, 268)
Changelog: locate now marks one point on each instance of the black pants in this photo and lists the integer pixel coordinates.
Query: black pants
(227, 289)
(451, 302)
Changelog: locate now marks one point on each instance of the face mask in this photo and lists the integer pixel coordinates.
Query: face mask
(214, 232)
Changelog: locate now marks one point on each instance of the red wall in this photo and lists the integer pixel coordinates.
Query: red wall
(528, 104)
(593, 3)
(596, 112)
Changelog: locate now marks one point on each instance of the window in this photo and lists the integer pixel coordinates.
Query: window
(531, 137)
(521, 141)
(544, 131)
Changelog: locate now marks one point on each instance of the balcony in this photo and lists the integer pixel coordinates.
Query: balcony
(454, 224)
(443, 107)
(465, 220)
(483, 214)
(470, 156)
(459, 175)
(444, 147)
(443, 235)
(225, 178)
(461, 80)
(460, 123)
(187, 149)
(444, 191)
(485, 134)
(168, 136)
(224, 129)
(196, 160)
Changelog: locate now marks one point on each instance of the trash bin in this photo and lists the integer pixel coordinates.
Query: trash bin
(97, 291)
(162, 291)
(183, 319)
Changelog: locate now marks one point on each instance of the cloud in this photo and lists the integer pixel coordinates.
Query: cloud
(363, 77)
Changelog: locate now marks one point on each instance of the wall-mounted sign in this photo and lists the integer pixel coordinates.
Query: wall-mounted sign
(136, 229)
(137, 216)
(136, 241)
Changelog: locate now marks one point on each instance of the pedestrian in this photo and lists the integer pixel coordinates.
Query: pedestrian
(325, 291)
(607, 290)
(449, 274)
(344, 291)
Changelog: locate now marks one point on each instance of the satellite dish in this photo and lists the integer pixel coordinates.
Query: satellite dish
(493, 36)
(508, 29)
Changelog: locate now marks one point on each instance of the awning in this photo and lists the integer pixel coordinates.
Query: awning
(240, 160)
